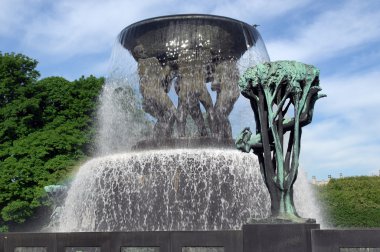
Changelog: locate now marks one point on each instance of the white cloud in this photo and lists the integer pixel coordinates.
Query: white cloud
(14, 15)
(342, 149)
(344, 136)
(348, 93)
(81, 27)
(257, 9)
(333, 32)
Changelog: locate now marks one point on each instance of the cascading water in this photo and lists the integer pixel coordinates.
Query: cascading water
(171, 190)
(121, 124)
(177, 187)
(167, 190)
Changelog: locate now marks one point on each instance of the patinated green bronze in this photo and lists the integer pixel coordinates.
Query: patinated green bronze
(272, 88)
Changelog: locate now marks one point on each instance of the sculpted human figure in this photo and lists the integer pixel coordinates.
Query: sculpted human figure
(225, 83)
(192, 91)
(154, 86)
(246, 141)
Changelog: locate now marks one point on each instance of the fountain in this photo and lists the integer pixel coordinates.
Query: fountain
(182, 171)
(167, 163)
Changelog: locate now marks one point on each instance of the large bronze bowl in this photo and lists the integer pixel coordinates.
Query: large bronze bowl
(167, 37)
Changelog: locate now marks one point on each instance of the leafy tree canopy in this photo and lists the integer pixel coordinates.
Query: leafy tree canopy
(352, 201)
(46, 127)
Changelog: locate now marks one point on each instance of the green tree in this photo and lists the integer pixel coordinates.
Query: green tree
(352, 201)
(17, 74)
(46, 128)
(17, 82)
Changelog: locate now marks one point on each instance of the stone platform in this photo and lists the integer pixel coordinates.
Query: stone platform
(252, 238)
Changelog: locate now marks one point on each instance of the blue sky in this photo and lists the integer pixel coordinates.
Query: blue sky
(71, 38)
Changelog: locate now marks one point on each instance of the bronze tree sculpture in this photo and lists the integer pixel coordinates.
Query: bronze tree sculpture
(272, 88)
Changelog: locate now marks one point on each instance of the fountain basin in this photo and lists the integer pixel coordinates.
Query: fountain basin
(167, 36)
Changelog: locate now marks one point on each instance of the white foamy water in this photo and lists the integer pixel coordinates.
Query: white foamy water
(182, 189)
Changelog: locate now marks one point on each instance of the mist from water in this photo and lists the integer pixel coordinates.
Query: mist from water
(118, 126)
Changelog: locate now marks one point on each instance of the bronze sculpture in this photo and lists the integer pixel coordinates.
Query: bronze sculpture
(192, 91)
(191, 52)
(272, 88)
(225, 79)
(153, 88)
